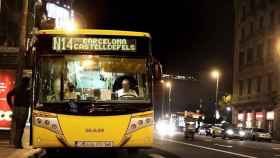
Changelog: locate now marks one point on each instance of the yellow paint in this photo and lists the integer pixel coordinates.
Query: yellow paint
(141, 138)
(93, 128)
(44, 138)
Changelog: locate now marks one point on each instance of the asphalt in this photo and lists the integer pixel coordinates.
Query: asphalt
(164, 147)
(179, 147)
(207, 147)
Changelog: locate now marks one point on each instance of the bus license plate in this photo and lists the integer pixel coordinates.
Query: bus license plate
(93, 144)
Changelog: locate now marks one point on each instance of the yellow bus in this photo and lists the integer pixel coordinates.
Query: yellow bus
(92, 88)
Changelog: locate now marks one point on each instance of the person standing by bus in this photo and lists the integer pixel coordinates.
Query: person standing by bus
(20, 106)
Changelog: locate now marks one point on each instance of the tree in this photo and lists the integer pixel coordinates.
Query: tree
(225, 101)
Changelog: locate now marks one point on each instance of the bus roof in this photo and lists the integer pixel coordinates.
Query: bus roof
(94, 32)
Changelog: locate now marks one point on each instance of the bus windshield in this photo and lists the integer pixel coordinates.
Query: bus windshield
(93, 78)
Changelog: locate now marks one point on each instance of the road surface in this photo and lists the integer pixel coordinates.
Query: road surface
(179, 147)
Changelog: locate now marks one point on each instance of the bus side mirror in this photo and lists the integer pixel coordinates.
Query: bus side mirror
(157, 71)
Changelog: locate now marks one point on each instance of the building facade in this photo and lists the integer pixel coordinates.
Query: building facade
(256, 85)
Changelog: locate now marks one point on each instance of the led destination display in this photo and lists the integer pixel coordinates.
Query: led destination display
(93, 44)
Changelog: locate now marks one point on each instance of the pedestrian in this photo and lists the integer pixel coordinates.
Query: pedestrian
(20, 106)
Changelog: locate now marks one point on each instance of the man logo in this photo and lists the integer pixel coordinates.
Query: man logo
(94, 130)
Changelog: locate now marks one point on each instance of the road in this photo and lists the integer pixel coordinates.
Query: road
(209, 147)
(179, 147)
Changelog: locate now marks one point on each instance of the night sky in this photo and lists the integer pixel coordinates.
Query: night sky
(189, 36)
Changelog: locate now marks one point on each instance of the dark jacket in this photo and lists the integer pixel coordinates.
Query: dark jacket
(22, 97)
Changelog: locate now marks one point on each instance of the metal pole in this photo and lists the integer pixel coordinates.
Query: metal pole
(169, 104)
(20, 56)
(34, 15)
(217, 91)
(162, 101)
(22, 41)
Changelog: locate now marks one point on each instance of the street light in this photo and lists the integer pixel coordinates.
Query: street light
(228, 109)
(216, 75)
(71, 25)
(168, 84)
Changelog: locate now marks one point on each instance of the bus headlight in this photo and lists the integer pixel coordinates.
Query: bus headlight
(50, 123)
(139, 122)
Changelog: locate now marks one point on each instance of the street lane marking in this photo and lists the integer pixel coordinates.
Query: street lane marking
(208, 148)
(226, 146)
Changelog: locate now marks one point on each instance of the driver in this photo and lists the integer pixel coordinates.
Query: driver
(125, 91)
(71, 94)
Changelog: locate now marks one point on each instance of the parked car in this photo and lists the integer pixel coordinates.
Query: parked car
(217, 131)
(238, 133)
(260, 134)
(204, 130)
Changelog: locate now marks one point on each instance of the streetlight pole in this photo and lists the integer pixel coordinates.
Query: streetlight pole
(217, 92)
(22, 41)
(169, 101)
(216, 75)
(162, 99)
(168, 84)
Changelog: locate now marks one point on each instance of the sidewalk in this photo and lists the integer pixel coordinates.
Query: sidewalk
(8, 151)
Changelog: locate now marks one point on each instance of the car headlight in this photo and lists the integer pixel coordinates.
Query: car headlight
(229, 132)
(242, 133)
(165, 128)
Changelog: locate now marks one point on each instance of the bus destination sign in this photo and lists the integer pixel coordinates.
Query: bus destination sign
(93, 44)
